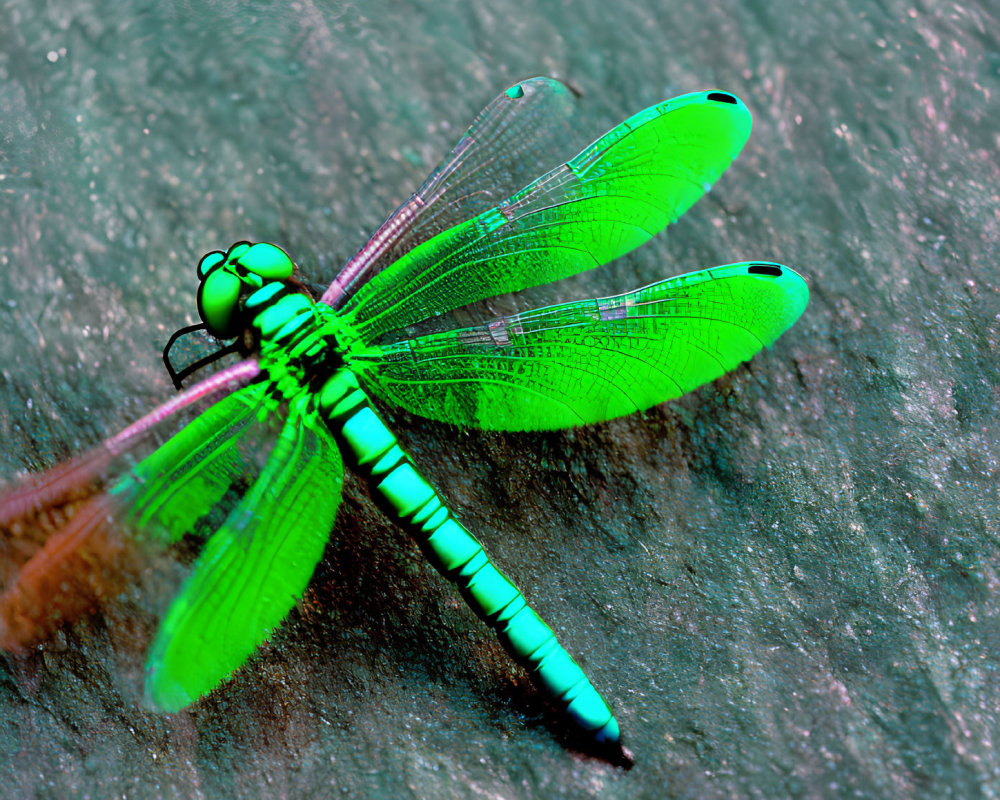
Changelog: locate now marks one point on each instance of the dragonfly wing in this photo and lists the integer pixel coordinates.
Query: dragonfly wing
(87, 558)
(66, 539)
(179, 483)
(615, 195)
(37, 493)
(591, 360)
(520, 135)
(252, 570)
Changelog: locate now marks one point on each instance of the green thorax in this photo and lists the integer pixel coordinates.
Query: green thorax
(249, 291)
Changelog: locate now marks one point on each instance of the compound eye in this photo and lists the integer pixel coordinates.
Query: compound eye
(237, 250)
(218, 302)
(208, 262)
(267, 260)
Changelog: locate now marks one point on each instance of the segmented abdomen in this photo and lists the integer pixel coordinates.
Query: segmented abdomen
(457, 555)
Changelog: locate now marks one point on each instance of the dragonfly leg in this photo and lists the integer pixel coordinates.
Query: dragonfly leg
(459, 557)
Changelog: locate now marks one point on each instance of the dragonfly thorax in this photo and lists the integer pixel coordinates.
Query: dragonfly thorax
(248, 292)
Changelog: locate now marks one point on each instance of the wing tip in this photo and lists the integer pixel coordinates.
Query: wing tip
(792, 285)
(164, 692)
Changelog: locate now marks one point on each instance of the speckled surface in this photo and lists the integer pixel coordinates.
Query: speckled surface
(786, 583)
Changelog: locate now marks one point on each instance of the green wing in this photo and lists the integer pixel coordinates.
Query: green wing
(619, 192)
(520, 135)
(179, 483)
(592, 360)
(252, 570)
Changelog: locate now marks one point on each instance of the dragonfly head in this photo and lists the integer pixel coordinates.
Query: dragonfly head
(227, 279)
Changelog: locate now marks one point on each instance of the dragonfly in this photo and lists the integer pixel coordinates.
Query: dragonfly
(311, 371)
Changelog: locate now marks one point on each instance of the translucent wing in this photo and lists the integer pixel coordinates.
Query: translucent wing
(615, 195)
(56, 580)
(253, 569)
(521, 134)
(592, 360)
(180, 482)
(66, 541)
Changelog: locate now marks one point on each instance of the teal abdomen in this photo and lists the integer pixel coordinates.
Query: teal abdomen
(413, 503)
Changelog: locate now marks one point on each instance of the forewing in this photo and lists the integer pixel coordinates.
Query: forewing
(592, 360)
(520, 135)
(182, 480)
(615, 195)
(67, 539)
(252, 569)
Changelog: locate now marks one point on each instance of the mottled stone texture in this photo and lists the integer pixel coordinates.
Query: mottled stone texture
(786, 583)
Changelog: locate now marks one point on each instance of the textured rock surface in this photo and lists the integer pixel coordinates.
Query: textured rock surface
(787, 583)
